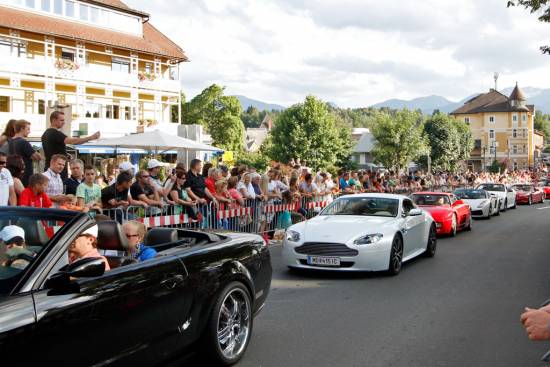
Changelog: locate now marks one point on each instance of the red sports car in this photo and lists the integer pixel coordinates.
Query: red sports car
(528, 194)
(449, 213)
(545, 187)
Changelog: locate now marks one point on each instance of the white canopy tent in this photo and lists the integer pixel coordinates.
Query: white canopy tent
(155, 141)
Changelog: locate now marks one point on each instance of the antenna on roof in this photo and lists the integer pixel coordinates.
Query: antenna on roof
(495, 76)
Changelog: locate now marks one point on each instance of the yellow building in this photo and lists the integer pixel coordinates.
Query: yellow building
(502, 129)
(114, 71)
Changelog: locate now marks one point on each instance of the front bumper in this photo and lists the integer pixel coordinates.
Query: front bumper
(480, 212)
(443, 227)
(522, 199)
(375, 258)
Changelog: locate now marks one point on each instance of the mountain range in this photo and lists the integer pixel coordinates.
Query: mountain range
(261, 106)
(537, 96)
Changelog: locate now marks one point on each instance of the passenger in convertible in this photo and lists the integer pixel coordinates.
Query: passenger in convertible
(85, 245)
(135, 233)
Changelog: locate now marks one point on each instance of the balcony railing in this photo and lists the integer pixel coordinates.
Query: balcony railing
(87, 73)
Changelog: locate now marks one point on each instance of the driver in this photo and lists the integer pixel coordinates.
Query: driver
(18, 254)
(85, 245)
(440, 200)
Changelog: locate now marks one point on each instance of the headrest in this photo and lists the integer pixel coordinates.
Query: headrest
(110, 236)
(157, 236)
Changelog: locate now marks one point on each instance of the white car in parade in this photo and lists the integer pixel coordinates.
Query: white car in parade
(506, 194)
(483, 203)
(363, 232)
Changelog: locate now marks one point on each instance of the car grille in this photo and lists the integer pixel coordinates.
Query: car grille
(326, 249)
(477, 212)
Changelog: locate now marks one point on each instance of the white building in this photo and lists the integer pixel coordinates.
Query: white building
(104, 61)
(364, 143)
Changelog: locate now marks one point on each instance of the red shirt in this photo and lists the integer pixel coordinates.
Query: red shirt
(210, 185)
(28, 198)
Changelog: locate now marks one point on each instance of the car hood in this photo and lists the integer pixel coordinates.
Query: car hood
(341, 228)
(474, 203)
(437, 212)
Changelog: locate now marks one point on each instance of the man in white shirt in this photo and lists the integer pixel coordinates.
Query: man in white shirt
(7, 191)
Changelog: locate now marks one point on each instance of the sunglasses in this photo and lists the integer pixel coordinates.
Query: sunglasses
(132, 235)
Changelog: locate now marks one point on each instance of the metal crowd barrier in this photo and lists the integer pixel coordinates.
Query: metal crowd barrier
(255, 216)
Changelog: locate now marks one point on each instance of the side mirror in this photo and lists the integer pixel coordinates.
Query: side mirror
(458, 202)
(415, 212)
(84, 268)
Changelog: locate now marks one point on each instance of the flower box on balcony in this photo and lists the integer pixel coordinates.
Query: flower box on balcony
(63, 64)
(144, 75)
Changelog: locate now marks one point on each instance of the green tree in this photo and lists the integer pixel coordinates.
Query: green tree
(251, 117)
(542, 124)
(399, 139)
(219, 114)
(308, 131)
(541, 7)
(450, 141)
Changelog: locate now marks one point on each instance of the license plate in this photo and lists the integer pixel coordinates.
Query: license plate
(323, 261)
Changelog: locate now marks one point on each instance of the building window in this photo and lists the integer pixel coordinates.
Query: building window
(93, 110)
(45, 5)
(491, 134)
(83, 11)
(148, 67)
(514, 133)
(524, 117)
(4, 104)
(69, 8)
(120, 65)
(41, 107)
(524, 148)
(94, 15)
(67, 54)
(174, 75)
(29, 3)
(12, 47)
(515, 117)
(492, 149)
(127, 114)
(514, 149)
(112, 112)
(515, 166)
(58, 7)
(467, 120)
(491, 118)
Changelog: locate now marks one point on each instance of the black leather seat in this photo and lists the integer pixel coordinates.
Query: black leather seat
(35, 233)
(158, 236)
(110, 236)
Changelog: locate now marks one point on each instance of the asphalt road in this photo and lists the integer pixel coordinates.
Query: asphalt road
(460, 308)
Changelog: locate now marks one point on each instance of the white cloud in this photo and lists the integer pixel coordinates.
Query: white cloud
(352, 52)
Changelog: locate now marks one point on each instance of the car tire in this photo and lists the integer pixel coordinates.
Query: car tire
(232, 312)
(490, 212)
(505, 206)
(530, 200)
(454, 226)
(498, 210)
(396, 256)
(515, 205)
(432, 242)
(468, 226)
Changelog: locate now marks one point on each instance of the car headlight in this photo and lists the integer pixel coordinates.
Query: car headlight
(368, 239)
(482, 204)
(292, 236)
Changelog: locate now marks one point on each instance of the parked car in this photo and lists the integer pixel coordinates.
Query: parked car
(482, 203)
(506, 194)
(201, 292)
(528, 194)
(364, 232)
(545, 187)
(449, 213)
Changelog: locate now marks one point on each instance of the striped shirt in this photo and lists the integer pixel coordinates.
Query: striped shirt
(55, 185)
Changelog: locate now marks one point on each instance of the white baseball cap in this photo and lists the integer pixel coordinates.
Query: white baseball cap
(10, 232)
(153, 163)
(92, 231)
(125, 166)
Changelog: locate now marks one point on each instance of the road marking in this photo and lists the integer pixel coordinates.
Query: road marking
(544, 207)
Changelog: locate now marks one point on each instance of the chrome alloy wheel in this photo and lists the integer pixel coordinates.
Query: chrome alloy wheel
(234, 321)
(397, 254)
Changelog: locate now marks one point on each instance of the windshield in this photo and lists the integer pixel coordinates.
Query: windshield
(429, 199)
(471, 194)
(367, 206)
(22, 237)
(522, 187)
(491, 187)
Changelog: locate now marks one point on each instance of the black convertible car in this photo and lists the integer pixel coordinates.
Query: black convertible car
(200, 293)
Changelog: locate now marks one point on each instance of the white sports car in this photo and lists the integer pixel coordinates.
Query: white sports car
(483, 203)
(364, 232)
(506, 194)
